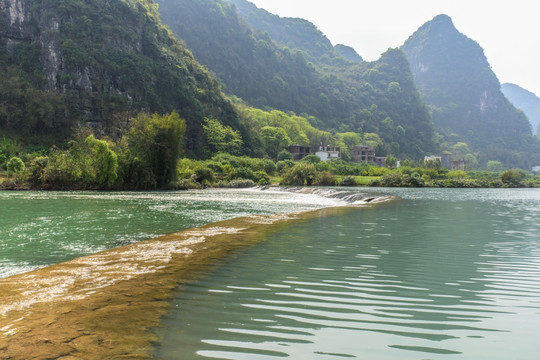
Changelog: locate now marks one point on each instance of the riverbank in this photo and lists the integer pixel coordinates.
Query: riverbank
(106, 305)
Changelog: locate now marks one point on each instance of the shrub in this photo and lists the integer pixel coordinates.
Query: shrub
(398, 180)
(348, 181)
(15, 166)
(311, 159)
(37, 170)
(284, 155)
(512, 178)
(282, 166)
(242, 173)
(378, 171)
(262, 177)
(204, 175)
(457, 174)
(269, 166)
(299, 175)
(326, 179)
(238, 183)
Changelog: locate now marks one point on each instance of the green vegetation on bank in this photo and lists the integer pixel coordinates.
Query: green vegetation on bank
(149, 156)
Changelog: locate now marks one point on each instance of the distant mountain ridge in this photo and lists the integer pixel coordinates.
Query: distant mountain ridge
(302, 72)
(526, 101)
(456, 81)
(295, 33)
(348, 53)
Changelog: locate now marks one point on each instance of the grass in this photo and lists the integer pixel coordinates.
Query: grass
(360, 180)
(365, 180)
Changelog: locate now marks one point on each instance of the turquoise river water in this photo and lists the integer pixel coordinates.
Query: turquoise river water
(44, 228)
(441, 274)
(444, 274)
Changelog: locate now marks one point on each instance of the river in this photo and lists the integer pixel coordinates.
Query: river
(442, 273)
(445, 273)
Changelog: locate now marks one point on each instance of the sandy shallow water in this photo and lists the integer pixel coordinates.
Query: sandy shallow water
(106, 305)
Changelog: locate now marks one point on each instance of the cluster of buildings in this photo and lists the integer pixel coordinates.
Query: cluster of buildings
(446, 161)
(360, 153)
(363, 153)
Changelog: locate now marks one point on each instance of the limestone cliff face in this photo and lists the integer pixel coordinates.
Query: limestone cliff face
(39, 23)
(107, 59)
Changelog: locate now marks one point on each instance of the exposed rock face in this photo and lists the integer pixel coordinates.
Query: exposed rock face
(14, 12)
(102, 61)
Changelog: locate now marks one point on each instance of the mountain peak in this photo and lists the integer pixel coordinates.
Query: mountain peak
(443, 19)
(441, 24)
(454, 77)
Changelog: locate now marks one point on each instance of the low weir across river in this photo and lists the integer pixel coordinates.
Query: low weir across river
(442, 273)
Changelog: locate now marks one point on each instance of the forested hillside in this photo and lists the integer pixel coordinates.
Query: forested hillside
(526, 101)
(456, 81)
(66, 64)
(306, 77)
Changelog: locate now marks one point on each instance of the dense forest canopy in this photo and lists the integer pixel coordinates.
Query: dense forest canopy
(99, 62)
(306, 78)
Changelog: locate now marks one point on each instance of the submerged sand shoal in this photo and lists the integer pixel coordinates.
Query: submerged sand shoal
(105, 306)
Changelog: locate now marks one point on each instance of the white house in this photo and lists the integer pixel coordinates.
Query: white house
(329, 153)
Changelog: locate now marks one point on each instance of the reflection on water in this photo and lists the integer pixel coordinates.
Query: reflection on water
(451, 274)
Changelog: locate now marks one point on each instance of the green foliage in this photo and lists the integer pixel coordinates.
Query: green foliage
(275, 140)
(284, 155)
(155, 144)
(311, 159)
(222, 138)
(348, 181)
(459, 151)
(204, 175)
(15, 166)
(240, 183)
(103, 162)
(399, 180)
(8, 148)
(284, 165)
(300, 174)
(242, 173)
(37, 170)
(456, 174)
(494, 166)
(326, 178)
(513, 178)
(262, 177)
(279, 69)
(391, 161)
(106, 61)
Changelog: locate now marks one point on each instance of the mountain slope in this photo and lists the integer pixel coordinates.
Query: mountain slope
(526, 101)
(294, 33)
(378, 97)
(348, 53)
(97, 61)
(455, 79)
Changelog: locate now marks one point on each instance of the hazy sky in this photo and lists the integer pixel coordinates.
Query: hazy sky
(509, 31)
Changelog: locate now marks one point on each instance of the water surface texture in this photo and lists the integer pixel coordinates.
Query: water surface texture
(38, 229)
(444, 274)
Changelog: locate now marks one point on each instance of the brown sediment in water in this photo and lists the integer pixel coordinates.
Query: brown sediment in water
(104, 306)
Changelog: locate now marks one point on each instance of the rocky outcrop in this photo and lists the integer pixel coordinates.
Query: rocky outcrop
(106, 60)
